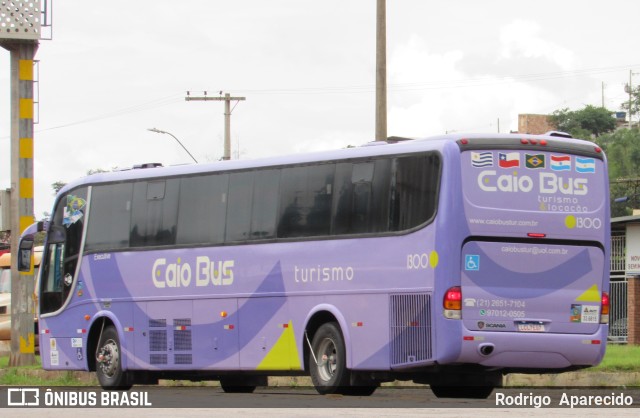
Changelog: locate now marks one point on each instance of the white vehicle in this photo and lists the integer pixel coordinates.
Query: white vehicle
(5, 291)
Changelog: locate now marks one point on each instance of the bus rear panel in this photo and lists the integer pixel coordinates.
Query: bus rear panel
(534, 284)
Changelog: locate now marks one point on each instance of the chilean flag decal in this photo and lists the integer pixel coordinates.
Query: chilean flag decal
(560, 163)
(509, 160)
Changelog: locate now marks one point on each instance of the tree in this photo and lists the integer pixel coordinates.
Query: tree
(590, 121)
(56, 186)
(623, 153)
(635, 101)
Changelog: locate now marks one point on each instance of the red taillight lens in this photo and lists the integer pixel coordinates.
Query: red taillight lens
(605, 303)
(453, 299)
(604, 311)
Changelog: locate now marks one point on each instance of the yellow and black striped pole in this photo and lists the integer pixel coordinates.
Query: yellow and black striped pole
(22, 24)
(25, 142)
(22, 111)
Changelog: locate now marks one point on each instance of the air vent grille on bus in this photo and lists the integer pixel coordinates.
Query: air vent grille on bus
(157, 323)
(157, 340)
(158, 359)
(182, 359)
(410, 323)
(182, 322)
(181, 335)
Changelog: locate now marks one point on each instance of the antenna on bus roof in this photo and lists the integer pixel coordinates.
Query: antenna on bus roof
(147, 165)
(559, 134)
(396, 139)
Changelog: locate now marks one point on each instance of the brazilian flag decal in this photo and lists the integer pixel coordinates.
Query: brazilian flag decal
(534, 160)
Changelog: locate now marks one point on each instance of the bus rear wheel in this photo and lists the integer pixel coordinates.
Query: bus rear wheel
(109, 362)
(327, 363)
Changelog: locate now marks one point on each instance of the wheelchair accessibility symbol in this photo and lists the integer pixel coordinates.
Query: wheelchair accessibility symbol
(472, 262)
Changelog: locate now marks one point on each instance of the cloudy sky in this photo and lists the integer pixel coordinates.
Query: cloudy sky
(307, 69)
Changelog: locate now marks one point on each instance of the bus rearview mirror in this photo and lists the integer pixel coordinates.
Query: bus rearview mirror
(25, 251)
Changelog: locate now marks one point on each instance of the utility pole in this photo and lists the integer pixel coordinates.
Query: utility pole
(20, 36)
(629, 89)
(381, 71)
(227, 116)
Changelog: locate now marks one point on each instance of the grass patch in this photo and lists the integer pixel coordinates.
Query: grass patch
(33, 375)
(620, 358)
(16, 376)
(4, 363)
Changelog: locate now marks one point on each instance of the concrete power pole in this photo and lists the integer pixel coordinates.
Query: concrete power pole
(227, 116)
(20, 35)
(381, 71)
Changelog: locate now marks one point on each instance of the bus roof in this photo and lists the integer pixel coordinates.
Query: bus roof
(372, 149)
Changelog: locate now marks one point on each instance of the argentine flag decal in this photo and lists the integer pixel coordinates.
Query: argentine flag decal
(585, 165)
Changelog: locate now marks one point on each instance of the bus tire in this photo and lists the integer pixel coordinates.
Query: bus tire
(329, 374)
(243, 383)
(109, 362)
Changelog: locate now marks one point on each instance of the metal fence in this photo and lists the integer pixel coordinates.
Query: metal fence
(617, 252)
(618, 311)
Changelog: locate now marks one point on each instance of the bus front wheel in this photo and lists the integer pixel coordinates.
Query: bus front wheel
(327, 363)
(109, 362)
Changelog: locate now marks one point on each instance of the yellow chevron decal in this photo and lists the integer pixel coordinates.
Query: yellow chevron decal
(591, 295)
(284, 353)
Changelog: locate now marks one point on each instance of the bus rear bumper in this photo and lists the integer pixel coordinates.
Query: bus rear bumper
(532, 350)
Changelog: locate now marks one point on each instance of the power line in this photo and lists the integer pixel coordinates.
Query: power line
(148, 105)
(440, 84)
(356, 89)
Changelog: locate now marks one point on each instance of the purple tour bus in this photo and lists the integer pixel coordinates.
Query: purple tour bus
(449, 261)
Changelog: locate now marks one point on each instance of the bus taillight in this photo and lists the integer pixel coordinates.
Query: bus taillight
(604, 316)
(452, 303)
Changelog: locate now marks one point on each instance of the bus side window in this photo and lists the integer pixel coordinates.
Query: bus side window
(203, 197)
(305, 205)
(415, 187)
(239, 203)
(154, 216)
(361, 196)
(266, 197)
(109, 224)
(341, 207)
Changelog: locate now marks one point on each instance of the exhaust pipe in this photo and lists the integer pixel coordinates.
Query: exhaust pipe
(486, 349)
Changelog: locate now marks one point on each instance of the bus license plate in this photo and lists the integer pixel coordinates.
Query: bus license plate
(529, 327)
